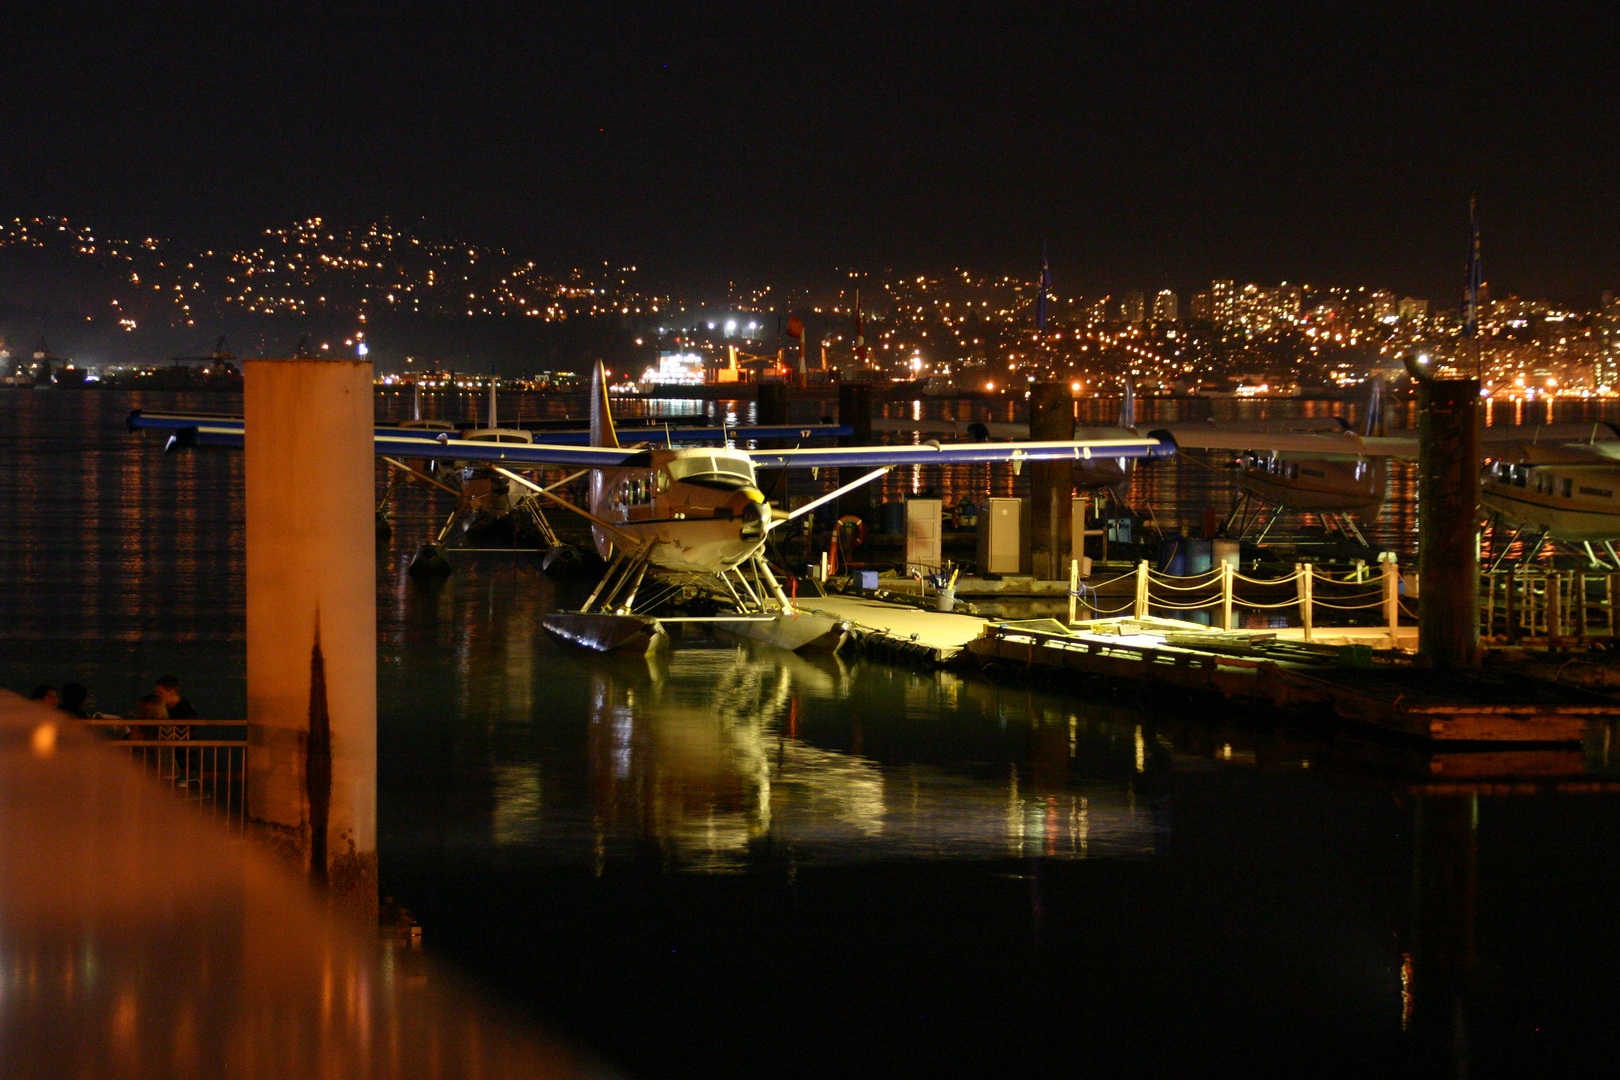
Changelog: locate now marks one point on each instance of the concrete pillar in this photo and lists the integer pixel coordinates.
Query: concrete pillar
(855, 410)
(312, 620)
(1051, 483)
(1448, 508)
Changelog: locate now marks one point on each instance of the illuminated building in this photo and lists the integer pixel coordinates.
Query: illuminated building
(1165, 307)
(1413, 309)
(1132, 307)
(1223, 302)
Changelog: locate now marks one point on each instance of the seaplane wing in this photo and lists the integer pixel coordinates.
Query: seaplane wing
(198, 430)
(1239, 440)
(220, 424)
(1123, 446)
(419, 446)
(445, 448)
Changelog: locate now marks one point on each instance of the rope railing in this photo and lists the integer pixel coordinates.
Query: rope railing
(1368, 606)
(1183, 605)
(1289, 580)
(1216, 589)
(1532, 602)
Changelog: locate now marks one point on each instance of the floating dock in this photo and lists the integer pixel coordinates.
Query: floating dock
(1395, 698)
(1335, 675)
(901, 630)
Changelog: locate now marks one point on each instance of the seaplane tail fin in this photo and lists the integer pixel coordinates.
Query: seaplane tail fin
(602, 431)
(1127, 405)
(1374, 424)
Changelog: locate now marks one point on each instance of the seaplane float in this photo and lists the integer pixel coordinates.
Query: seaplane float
(678, 521)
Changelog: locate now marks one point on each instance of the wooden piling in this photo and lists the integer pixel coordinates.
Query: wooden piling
(1051, 483)
(1448, 508)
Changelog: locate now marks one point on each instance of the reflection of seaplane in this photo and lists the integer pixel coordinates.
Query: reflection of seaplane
(692, 520)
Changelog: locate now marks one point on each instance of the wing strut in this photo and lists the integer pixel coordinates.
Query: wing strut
(560, 501)
(830, 496)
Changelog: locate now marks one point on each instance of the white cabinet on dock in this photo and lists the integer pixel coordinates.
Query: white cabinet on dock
(925, 538)
(1001, 537)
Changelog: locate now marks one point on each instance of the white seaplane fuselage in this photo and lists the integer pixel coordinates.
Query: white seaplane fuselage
(1317, 484)
(701, 509)
(1548, 492)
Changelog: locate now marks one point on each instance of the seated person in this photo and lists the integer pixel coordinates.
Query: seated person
(167, 689)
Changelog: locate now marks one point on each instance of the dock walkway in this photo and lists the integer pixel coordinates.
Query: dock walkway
(1399, 699)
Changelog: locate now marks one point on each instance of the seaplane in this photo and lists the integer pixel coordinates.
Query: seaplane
(684, 523)
(486, 501)
(1305, 465)
(1563, 486)
(1555, 483)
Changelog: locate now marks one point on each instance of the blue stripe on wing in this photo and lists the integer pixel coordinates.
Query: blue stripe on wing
(949, 453)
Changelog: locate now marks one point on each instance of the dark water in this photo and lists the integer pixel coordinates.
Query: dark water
(733, 862)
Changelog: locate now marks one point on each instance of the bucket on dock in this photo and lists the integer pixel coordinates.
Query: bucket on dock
(1173, 555)
(945, 600)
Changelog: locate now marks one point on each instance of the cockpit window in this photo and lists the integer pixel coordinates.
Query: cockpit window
(718, 470)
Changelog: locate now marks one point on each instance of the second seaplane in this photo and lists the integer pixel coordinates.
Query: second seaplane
(685, 522)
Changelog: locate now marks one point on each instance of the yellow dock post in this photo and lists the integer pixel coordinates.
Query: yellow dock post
(1074, 588)
(1303, 585)
(1392, 596)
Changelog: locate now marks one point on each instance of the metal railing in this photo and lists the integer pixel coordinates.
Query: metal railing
(1549, 605)
(192, 758)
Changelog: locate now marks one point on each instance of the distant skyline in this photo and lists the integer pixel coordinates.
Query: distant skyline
(1147, 147)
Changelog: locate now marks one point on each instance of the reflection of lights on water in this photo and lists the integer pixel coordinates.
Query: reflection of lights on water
(1141, 750)
(1406, 990)
(516, 816)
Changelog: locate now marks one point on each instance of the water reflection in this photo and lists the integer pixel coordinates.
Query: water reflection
(718, 755)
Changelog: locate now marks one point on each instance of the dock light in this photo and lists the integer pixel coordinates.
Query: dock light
(1417, 365)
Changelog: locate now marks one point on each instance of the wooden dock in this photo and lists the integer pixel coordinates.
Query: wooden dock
(1395, 698)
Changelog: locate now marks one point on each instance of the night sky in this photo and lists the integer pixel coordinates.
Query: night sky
(1151, 145)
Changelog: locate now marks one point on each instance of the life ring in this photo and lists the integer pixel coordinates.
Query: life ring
(847, 524)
